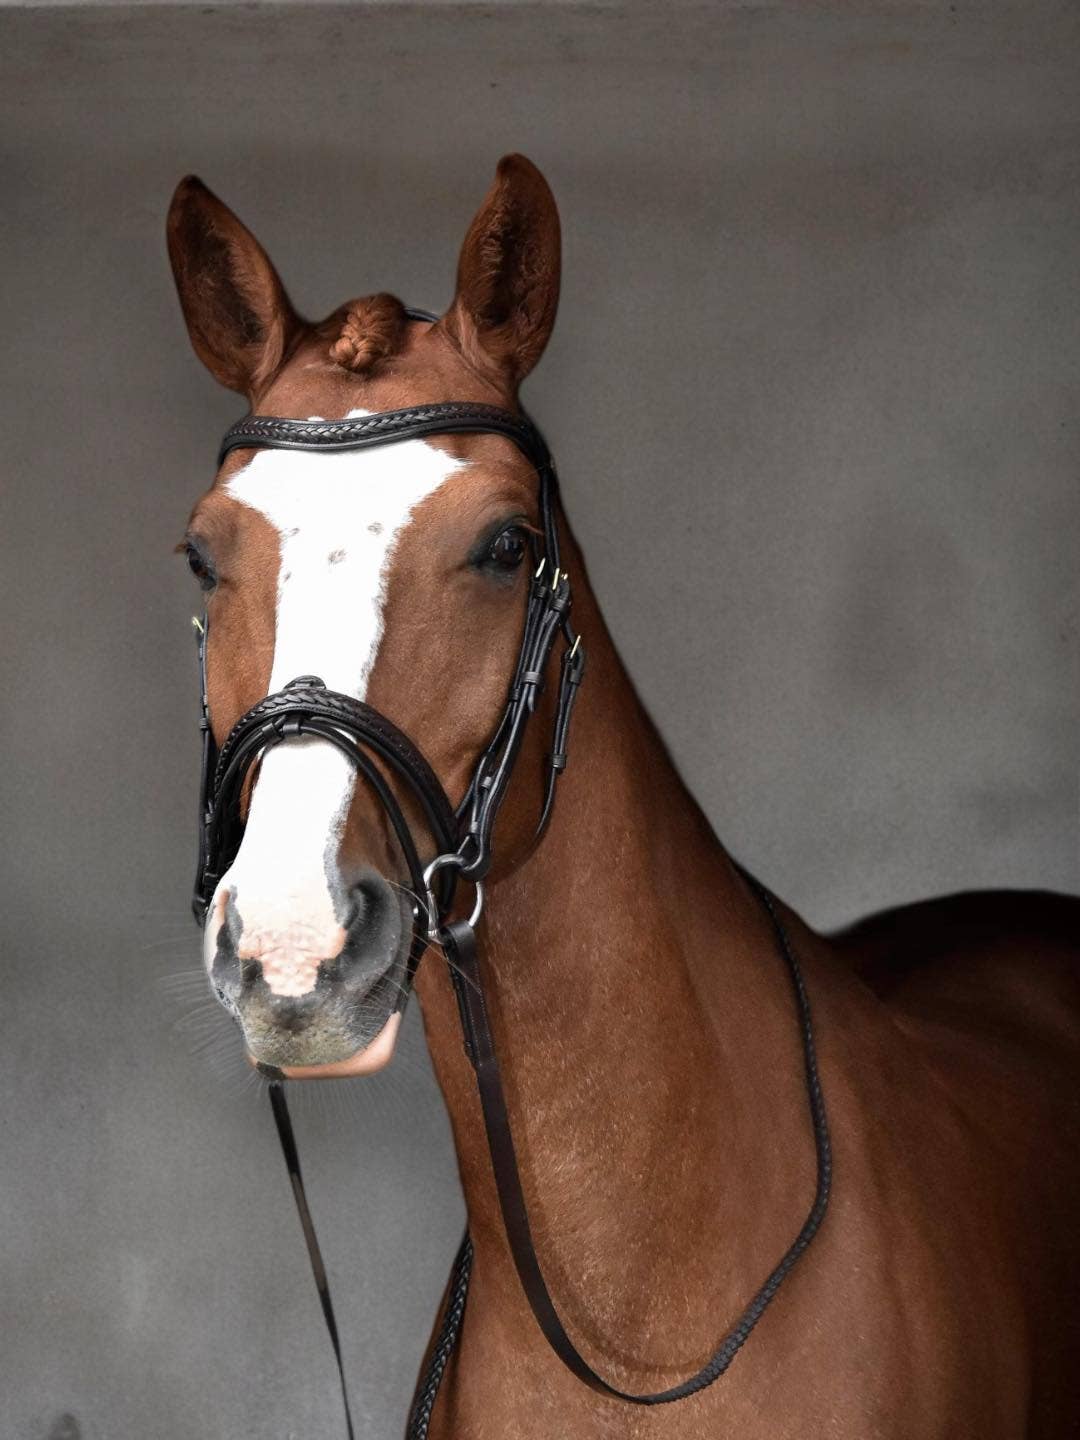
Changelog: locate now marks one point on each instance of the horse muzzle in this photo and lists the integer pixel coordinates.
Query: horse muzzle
(313, 996)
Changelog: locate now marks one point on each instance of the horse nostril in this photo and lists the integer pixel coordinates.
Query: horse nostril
(369, 901)
(352, 911)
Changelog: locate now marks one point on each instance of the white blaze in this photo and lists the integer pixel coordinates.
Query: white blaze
(339, 516)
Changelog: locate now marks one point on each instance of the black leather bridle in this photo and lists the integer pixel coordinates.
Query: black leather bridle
(462, 839)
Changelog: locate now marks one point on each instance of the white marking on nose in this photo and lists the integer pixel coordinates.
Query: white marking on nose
(339, 516)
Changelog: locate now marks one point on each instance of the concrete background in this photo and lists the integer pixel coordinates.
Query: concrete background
(815, 396)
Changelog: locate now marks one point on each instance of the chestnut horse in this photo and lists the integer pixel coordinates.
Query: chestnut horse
(644, 1017)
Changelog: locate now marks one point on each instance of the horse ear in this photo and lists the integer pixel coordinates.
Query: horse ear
(237, 313)
(508, 274)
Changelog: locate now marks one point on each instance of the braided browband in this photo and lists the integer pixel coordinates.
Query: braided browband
(413, 422)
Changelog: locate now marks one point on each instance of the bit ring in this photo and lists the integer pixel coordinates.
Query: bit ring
(431, 905)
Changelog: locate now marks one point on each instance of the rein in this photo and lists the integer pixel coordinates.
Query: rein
(462, 838)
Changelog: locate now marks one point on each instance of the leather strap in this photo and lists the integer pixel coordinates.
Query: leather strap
(307, 697)
(459, 943)
(283, 1121)
(411, 423)
(457, 1292)
(306, 707)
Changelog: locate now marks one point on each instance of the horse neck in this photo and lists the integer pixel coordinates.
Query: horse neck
(644, 1024)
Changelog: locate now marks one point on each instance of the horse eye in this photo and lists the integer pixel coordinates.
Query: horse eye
(200, 567)
(507, 550)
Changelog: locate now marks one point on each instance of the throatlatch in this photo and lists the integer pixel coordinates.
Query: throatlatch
(462, 841)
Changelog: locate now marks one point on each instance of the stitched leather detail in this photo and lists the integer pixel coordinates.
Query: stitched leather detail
(354, 714)
(459, 944)
(388, 425)
(306, 707)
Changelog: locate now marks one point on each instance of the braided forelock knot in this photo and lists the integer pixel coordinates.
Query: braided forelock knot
(372, 330)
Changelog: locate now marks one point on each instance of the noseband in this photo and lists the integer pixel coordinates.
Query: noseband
(462, 840)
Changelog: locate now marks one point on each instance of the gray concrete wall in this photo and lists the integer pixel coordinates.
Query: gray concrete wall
(814, 393)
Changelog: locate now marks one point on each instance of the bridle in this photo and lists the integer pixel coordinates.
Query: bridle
(306, 707)
(462, 839)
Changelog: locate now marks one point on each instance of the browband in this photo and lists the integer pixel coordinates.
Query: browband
(414, 422)
(411, 423)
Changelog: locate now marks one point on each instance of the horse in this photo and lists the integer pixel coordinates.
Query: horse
(654, 1071)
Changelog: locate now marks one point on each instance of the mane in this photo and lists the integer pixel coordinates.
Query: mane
(371, 331)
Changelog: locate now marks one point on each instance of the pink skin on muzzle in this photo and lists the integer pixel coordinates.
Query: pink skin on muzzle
(365, 1062)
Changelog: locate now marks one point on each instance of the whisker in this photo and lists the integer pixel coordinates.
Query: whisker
(176, 987)
(453, 965)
